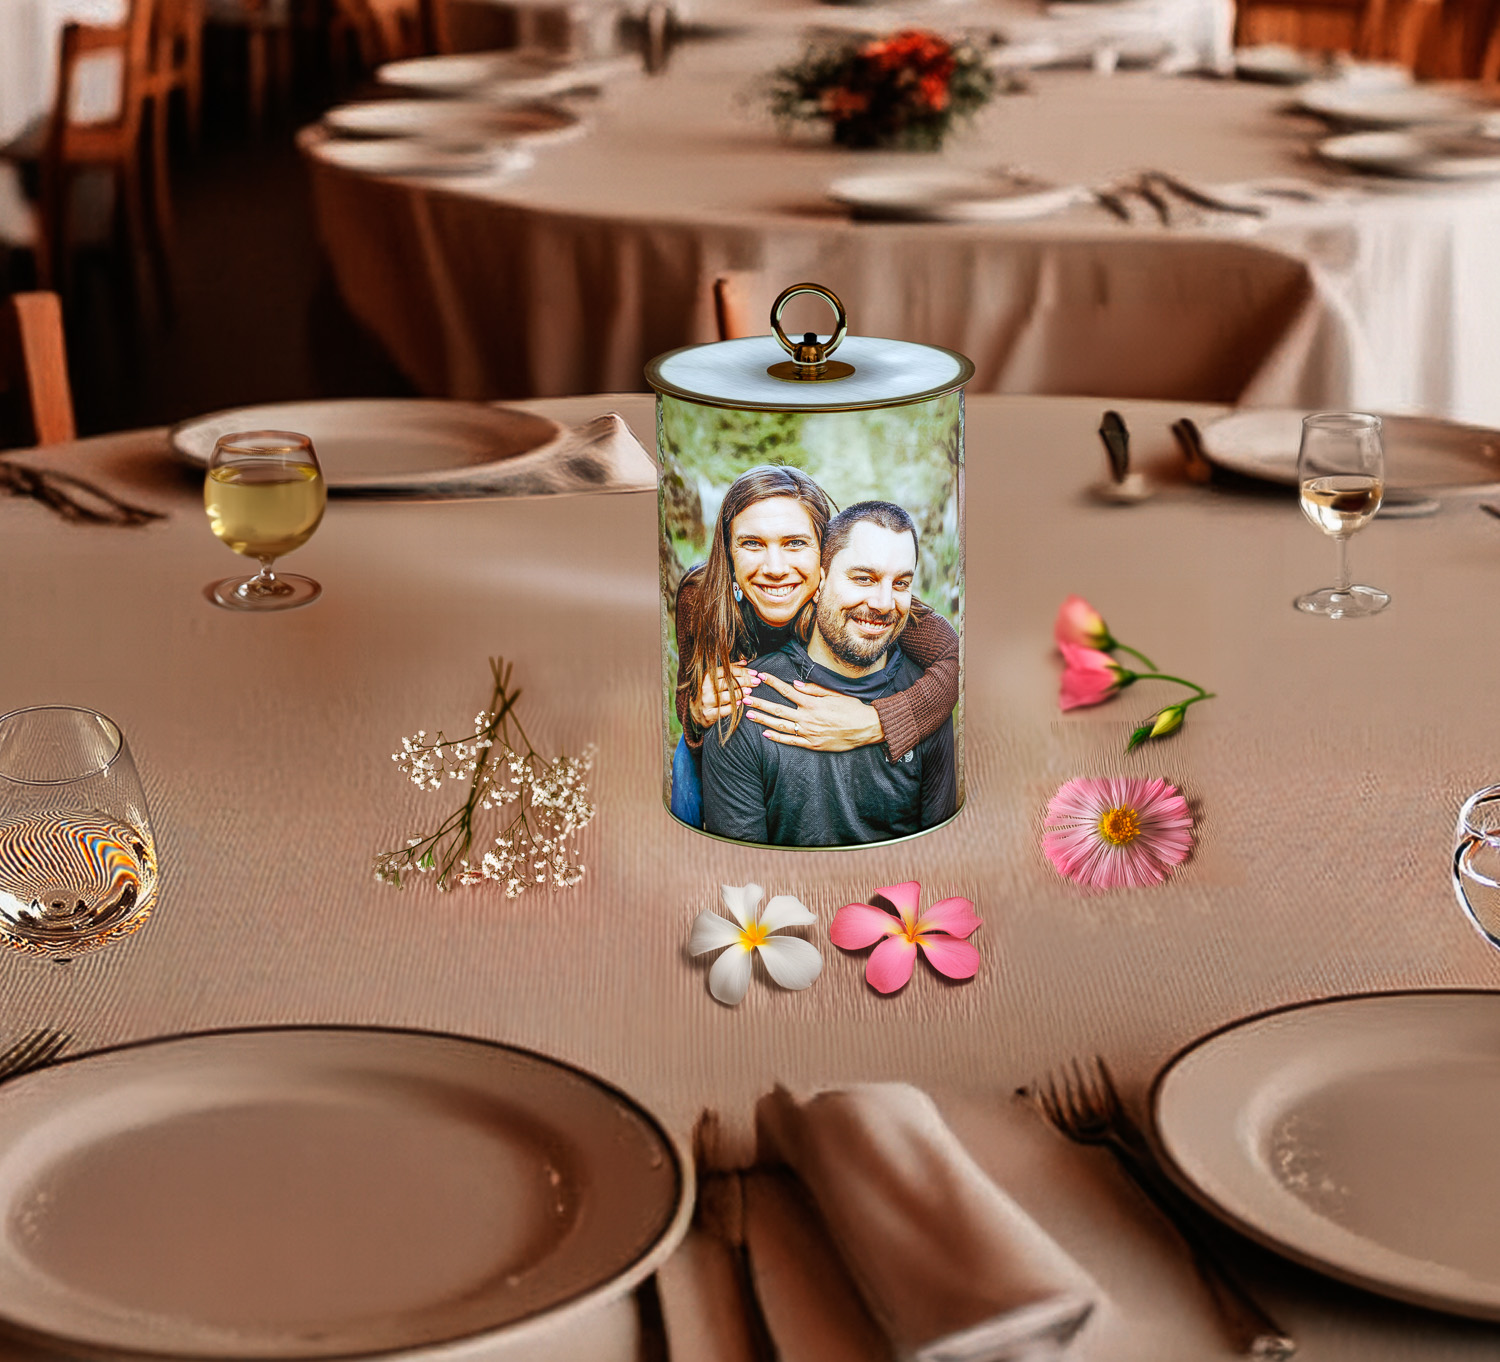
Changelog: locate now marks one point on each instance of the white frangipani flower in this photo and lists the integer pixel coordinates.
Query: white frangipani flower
(790, 961)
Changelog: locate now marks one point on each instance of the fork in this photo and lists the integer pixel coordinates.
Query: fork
(33, 1050)
(1086, 1108)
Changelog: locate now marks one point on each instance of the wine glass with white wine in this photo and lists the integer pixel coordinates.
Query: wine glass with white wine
(265, 496)
(1341, 471)
(77, 859)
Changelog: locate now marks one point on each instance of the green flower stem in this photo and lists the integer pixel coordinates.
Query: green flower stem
(1134, 652)
(1193, 700)
(1181, 681)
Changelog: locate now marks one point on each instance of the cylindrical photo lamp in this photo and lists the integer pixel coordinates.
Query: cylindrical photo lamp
(812, 579)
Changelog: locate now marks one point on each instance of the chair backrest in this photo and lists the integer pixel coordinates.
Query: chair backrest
(177, 43)
(388, 30)
(1313, 25)
(34, 365)
(1489, 65)
(731, 319)
(1380, 30)
(132, 41)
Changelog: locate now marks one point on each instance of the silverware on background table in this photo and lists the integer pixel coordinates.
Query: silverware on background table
(72, 498)
(33, 1050)
(1491, 508)
(1085, 1106)
(1197, 197)
(1190, 441)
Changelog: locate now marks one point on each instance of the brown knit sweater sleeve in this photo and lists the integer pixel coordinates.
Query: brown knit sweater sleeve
(923, 707)
(688, 616)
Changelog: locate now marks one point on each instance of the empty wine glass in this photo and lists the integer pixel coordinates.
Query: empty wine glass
(265, 496)
(77, 859)
(1341, 471)
(1476, 861)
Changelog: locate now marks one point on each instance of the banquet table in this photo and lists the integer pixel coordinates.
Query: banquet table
(1323, 779)
(568, 277)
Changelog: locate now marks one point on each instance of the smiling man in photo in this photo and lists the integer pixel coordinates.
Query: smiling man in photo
(758, 790)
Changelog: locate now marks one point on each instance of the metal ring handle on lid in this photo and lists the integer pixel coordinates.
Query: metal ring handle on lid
(810, 355)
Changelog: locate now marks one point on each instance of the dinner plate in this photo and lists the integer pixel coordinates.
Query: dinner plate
(457, 155)
(1355, 1135)
(1278, 64)
(1358, 105)
(949, 196)
(363, 443)
(454, 120)
(507, 75)
(1416, 155)
(1420, 451)
(318, 1192)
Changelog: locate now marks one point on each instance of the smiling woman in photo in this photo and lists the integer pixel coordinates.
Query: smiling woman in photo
(762, 569)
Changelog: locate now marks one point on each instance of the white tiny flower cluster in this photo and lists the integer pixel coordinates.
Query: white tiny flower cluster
(427, 764)
(534, 849)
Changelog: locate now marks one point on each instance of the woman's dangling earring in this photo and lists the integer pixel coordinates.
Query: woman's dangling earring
(738, 594)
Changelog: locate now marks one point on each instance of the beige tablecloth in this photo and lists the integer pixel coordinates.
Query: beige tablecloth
(572, 275)
(1324, 780)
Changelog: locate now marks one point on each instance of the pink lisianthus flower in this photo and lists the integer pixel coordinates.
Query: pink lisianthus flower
(1120, 831)
(940, 932)
(1080, 624)
(1090, 677)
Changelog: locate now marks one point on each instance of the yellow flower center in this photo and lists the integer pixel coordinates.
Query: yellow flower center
(752, 936)
(1119, 826)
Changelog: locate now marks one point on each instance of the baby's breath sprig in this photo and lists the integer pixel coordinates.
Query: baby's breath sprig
(551, 800)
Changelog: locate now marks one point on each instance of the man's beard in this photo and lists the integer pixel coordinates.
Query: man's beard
(852, 649)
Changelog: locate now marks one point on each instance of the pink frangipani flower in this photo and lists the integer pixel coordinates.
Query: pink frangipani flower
(1090, 677)
(940, 932)
(1117, 831)
(1079, 624)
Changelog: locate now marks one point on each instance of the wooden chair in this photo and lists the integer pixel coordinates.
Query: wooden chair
(1375, 30)
(176, 64)
(389, 30)
(731, 316)
(112, 144)
(267, 26)
(34, 366)
(1489, 65)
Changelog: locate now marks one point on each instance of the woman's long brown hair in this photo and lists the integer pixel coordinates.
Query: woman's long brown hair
(726, 628)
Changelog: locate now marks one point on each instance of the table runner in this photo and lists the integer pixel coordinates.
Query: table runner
(1324, 780)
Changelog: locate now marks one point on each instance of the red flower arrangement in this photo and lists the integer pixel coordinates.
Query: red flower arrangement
(902, 90)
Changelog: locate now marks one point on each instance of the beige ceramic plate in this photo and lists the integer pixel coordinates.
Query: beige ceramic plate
(1356, 1135)
(380, 442)
(455, 119)
(321, 1192)
(1420, 451)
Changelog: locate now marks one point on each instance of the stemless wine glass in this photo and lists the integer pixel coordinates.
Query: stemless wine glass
(77, 860)
(1341, 471)
(265, 496)
(1476, 861)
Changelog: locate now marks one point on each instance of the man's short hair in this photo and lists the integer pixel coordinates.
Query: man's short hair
(886, 514)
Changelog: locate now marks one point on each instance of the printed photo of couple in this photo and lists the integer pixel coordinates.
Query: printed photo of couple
(812, 619)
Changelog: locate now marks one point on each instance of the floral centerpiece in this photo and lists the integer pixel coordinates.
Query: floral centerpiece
(903, 90)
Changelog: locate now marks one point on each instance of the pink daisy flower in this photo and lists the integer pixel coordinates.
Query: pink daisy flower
(1117, 831)
(939, 932)
(1089, 676)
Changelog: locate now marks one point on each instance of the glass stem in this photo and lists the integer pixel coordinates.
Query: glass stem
(1343, 582)
(265, 577)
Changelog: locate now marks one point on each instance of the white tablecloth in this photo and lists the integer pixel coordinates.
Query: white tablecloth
(572, 275)
(1324, 780)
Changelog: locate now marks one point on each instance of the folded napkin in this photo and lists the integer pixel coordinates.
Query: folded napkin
(949, 1268)
(601, 455)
